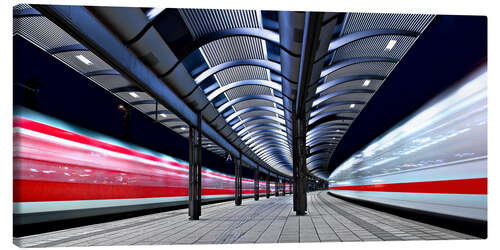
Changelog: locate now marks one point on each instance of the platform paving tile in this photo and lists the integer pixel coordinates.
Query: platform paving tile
(273, 220)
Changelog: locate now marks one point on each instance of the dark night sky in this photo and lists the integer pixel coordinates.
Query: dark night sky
(451, 47)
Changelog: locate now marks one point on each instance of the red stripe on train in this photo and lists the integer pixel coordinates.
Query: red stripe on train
(71, 136)
(31, 191)
(75, 137)
(461, 186)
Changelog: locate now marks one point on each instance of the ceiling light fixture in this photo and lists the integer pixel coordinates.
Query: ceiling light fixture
(366, 83)
(152, 13)
(183, 128)
(84, 60)
(352, 106)
(390, 45)
(163, 115)
(133, 94)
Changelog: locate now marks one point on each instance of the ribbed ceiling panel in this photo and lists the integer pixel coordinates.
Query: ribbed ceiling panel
(42, 32)
(96, 64)
(348, 97)
(111, 81)
(22, 6)
(233, 48)
(260, 121)
(374, 84)
(367, 21)
(204, 21)
(257, 113)
(368, 68)
(375, 47)
(342, 107)
(252, 103)
(241, 73)
(141, 96)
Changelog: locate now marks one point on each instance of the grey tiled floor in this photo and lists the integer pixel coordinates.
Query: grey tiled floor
(264, 221)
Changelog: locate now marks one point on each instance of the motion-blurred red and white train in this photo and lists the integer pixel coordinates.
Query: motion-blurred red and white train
(62, 171)
(435, 161)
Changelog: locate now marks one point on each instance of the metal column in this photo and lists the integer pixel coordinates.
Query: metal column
(308, 76)
(256, 182)
(195, 170)
(294, 182)
(268, 186)
(299, 165)
(237, 181)
(276, 188)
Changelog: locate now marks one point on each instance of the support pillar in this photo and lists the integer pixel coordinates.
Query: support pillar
(276, 188)
(256, 184)
(294, 188)
(237, 181)
(195, 170)
(268, 187)
(299, 166)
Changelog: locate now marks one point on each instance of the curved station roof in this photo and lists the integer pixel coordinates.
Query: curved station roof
(238, 69)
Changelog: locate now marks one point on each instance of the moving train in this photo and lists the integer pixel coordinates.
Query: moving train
(62, 171)
(435, 161)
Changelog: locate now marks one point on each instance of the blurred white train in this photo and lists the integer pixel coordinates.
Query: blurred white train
(434, 161)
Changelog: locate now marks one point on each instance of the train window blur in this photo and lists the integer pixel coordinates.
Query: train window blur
(444, 143)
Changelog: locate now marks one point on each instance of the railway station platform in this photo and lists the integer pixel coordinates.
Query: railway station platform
(329, 219)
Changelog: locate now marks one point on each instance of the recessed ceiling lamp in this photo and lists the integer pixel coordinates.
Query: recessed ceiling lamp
(84, 60)
(366, 83)
(390, 45)
(133, 94)
(352, 106)
(183, 128)
(163, 115)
